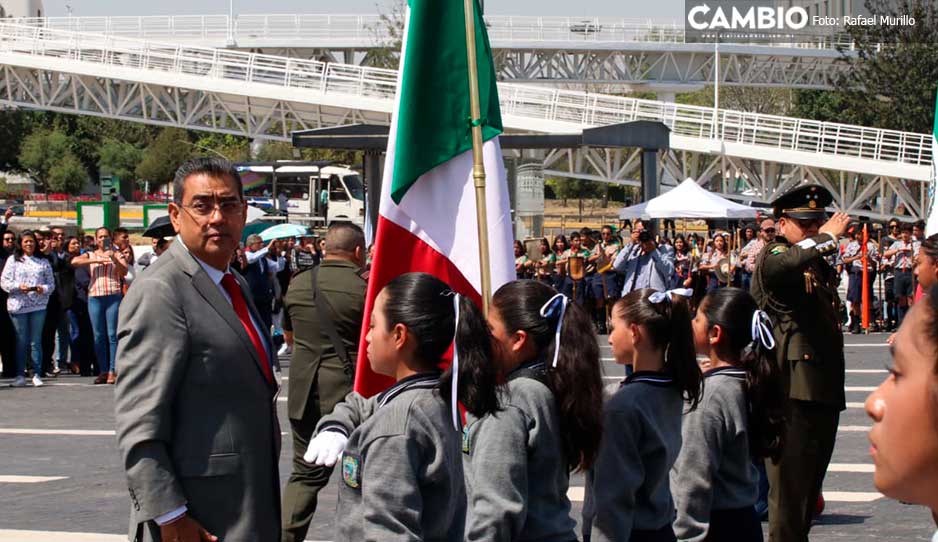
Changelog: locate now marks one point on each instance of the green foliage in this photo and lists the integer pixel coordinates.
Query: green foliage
(164, 156)
(890, 86)
(67, 175)
(574, 188)
(119, 158)
(45, 151)
(274, 151)
(388, 35)
(15, 126)
(233, 148)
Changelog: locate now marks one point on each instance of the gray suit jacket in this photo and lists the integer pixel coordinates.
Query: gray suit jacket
(196, 419)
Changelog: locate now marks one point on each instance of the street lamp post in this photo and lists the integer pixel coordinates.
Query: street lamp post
(231, 22)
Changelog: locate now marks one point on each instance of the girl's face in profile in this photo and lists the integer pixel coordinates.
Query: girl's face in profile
(382, 351)
(904, 409)
(621, 339)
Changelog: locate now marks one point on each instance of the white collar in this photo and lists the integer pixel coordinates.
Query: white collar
(213, 273)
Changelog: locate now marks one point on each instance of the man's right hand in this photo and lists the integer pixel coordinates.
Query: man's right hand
(836, 225)
(185, 529)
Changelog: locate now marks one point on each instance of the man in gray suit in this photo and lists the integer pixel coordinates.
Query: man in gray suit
(195, 402)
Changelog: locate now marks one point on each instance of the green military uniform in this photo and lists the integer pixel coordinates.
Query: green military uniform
(318, 377)
(797, 287)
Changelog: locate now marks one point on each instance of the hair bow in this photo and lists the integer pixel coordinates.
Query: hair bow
(454, 398)
(658, 297)
(549, 310)
(762, 329)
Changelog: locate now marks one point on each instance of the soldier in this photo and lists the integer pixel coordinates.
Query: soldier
(324, 306)
(796, 286)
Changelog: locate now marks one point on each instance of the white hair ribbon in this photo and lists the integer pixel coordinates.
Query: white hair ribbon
(454, 399)
(547, 311)
(658, 297)
(762, 329)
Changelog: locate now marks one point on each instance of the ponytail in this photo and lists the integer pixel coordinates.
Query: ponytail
(749, 344)
(574, 380)
(666, 320)
(477, 377)
(424, 304)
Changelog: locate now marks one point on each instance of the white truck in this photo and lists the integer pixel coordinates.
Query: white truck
(319, 193)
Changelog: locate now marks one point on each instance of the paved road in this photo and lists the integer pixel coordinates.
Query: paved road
(60, 473)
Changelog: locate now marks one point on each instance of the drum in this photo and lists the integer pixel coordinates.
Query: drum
(723, 271)
(576, 267)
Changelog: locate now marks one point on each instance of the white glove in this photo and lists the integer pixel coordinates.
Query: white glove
(325, 448)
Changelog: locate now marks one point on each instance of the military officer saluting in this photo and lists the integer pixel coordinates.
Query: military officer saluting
(796, 286)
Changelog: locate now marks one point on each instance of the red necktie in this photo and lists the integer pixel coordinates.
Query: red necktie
(230, 285)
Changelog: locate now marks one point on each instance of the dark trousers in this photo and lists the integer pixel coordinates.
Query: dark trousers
(81, 337)
(795, 481)
(7, 342)
(301, 494)
(53, 319)
(735, 525)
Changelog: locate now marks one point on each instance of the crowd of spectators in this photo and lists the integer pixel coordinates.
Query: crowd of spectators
(901, 262)
(61, 295)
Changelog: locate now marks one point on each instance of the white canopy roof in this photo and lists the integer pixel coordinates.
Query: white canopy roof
(688, 200)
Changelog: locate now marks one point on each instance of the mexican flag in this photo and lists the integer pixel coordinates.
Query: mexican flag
(931, 227)
(427, 214)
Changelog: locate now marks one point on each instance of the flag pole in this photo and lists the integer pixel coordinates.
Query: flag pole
(478, 167)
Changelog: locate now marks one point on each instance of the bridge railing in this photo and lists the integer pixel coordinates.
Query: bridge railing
(547, 106)
(370, 30)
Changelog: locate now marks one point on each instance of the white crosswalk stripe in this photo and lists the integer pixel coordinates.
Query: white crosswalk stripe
(851, 467)
(57, 432)
(19, 479)
(577, 494)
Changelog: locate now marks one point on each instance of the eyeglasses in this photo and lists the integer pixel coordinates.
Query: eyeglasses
(769, 230)
(228, 207)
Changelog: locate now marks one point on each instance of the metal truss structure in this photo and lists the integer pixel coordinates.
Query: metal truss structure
(743, 155)
(596, 53)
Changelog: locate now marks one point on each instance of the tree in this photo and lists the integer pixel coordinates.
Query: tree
(233, 148)
(274, 151)
(163, 157)
(891, 81)
(43, 150)
(119, 158)
(67, 175)
(389, 36)
(574, 188)
(15, 126)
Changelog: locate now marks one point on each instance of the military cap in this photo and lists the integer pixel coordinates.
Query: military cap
(804, 202)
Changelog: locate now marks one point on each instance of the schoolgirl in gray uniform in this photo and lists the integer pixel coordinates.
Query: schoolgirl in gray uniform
(739, 419)
(399, 451)
(518, 460)
(627, 494)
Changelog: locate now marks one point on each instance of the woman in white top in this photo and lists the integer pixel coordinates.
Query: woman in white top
(28, 280)
(904, 409)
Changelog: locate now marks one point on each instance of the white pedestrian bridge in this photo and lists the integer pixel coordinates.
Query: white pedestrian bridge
(747, 156)
(566, 51)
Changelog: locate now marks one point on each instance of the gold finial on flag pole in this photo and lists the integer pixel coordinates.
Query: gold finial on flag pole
(478, 166)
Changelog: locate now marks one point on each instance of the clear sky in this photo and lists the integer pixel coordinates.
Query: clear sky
(658, 9)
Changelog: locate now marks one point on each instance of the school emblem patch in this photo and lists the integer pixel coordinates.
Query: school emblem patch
(465, 439)
(352, 470)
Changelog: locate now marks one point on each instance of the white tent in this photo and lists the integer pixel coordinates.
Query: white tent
(688, 200)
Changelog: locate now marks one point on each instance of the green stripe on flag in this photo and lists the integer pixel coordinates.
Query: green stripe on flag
(434, 124)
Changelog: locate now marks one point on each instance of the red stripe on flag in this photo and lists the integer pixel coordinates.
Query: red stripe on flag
(398, 251)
